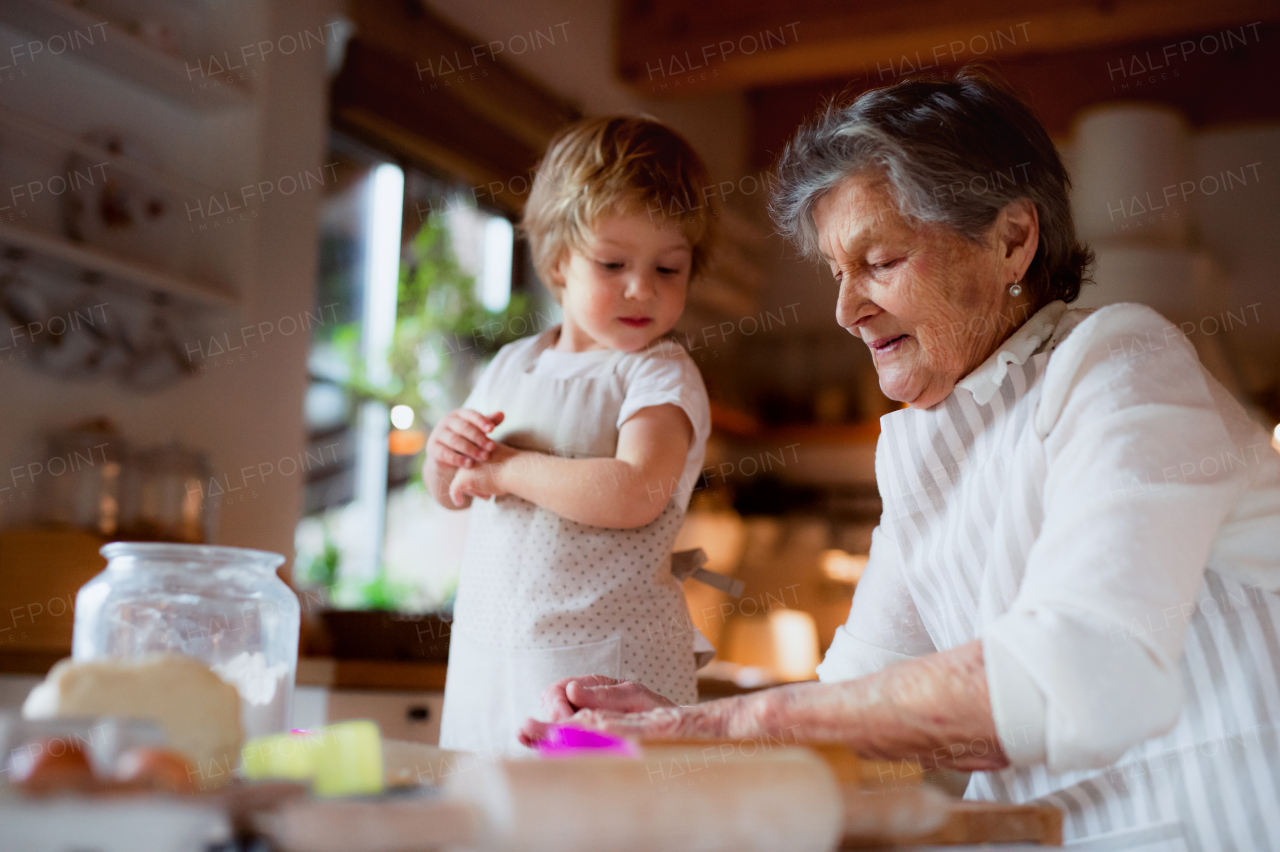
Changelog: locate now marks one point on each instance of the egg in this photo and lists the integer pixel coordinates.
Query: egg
(51, 765)
(155, 769)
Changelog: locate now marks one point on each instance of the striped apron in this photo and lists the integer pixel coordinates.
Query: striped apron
(962, 485)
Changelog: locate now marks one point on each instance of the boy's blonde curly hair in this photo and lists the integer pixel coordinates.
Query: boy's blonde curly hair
(614, 165)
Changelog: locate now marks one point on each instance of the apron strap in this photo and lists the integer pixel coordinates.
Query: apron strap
(687, 564)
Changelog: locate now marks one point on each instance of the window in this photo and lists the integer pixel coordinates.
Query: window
(423, 284)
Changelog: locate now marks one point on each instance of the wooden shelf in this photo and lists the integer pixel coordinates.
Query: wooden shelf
(73, 261)
(38, 130)
(116, 51)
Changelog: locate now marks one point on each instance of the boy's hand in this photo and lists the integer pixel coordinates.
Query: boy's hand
(461, 440)
(482, 481)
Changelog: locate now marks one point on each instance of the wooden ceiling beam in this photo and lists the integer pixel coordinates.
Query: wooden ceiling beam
(1225, 88)
(415, 86)
(469, 69)
(677, 48)
(377, 98)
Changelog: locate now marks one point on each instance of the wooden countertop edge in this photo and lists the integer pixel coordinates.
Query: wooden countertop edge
(312, 671)
(331, 672)
(370, 674)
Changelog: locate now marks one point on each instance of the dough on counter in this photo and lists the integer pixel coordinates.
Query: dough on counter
(198, 710)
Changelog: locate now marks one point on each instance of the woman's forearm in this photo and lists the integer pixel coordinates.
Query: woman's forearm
(601, 492)
(934, 709)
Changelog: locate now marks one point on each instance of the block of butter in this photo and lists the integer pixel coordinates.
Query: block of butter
(344, 759)
(199, 711)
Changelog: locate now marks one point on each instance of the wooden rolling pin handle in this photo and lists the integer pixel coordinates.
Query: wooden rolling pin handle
(906, 812)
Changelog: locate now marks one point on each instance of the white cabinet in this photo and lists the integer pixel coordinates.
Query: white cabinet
(413, 716)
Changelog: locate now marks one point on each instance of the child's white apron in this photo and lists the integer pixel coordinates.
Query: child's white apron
(541, 597)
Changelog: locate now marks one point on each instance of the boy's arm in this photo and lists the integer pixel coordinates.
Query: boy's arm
(629, 490)
(459, 441)
(438, 478)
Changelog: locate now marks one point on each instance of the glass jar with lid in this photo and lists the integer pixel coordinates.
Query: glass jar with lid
(80, 485)
(222, 605)
(163, 496)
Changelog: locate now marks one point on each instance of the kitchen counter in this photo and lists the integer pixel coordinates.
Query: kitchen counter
(336, 673)
(312, 671)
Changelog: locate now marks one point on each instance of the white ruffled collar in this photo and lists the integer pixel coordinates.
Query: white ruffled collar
(985, 381)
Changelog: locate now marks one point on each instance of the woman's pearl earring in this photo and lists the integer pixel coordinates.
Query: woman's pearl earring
(1014, 289)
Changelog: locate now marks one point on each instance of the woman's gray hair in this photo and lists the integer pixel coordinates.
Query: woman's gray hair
(953, 153)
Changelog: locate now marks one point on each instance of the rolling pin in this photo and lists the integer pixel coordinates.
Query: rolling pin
(675, 799)
(683, 799)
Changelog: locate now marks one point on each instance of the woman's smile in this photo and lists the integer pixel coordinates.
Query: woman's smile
(888, 344)
(938, 281)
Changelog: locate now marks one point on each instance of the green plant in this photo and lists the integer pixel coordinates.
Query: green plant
(440, 325)
(440, 321)
(321, 569)
(382, 593)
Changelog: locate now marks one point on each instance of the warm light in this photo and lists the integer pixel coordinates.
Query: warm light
(401, 416)
(843, 567)
(406, 442)
(783, 641)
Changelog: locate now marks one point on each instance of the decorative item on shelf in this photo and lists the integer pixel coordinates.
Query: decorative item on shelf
(164, 496)
(61, 325)
(157, 337)
(80, 485)
(27, 307)
(84, 329)
(118, 211)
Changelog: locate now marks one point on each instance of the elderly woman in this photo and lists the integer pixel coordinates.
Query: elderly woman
(1072, 587)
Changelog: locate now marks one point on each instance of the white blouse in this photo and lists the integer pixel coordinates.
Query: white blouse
(1105, 517)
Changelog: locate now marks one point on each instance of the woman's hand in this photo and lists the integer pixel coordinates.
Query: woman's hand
(664, 723)
(566, 697)
(625, 708)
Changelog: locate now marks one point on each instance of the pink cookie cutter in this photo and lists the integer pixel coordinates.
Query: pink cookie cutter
(568, 741)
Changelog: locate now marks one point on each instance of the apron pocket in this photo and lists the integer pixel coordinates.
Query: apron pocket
(532, 670)
(475, 715)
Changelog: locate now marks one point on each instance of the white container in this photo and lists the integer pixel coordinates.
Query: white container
(1129, 166)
